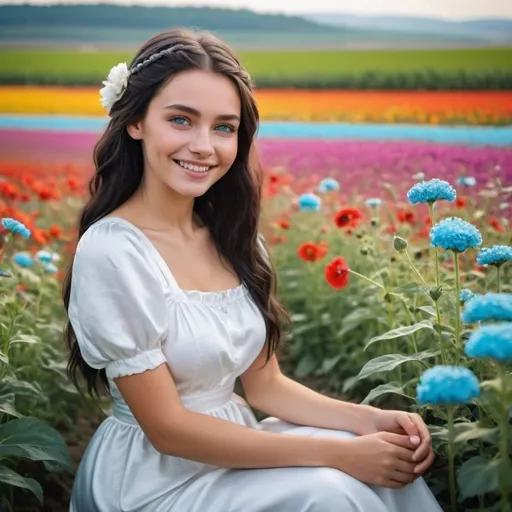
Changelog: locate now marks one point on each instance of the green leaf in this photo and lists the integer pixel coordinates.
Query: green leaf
(474, 431)
(349, 384)
(24, 338)
(7, 400)
(391, 361)
(478, 476)
(411, 289)
(32, 439)
(306, 365)
(11, 478)
(401, 331)
(384, 389)
(329, 364)
(428, 309)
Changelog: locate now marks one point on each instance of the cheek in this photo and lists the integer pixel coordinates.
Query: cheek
(229, 150)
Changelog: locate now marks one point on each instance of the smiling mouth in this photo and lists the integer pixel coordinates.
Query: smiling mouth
(194, 168)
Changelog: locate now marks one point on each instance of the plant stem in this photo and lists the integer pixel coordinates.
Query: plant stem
(414, 267)
(505, 467)
(457, 299)
(3, 250)
(498, 279)
(451, 460)
(366, 278)
(436, 252)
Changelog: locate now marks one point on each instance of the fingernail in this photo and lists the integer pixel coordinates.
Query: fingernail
(415, 439)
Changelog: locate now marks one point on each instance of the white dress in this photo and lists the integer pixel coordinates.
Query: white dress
(129, 315)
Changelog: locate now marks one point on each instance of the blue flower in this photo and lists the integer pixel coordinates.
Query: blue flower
(15, 227)
(328, 184)
(454, 234)
(4, 273)
(430, 191)
(50, 268)
(465, 295)
(373, 202)
(467, 181)
(494, 341)
(23, 259)
(44, 256)
(309, 202)
(491, 306)
(495, 255)
(448, 385)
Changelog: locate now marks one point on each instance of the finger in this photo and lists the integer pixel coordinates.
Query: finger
(410, 427)
(424, 465)
(403, 454)
(422, 451)
(426, 440)
(403, 478)
(393, 484)
(398, 440)
(405, 467)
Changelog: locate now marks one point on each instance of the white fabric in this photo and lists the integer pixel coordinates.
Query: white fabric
(129, 315)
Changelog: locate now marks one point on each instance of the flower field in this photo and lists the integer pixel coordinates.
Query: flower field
(375, 286)
(430, 107)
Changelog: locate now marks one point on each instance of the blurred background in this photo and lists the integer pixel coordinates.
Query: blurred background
(372, 95)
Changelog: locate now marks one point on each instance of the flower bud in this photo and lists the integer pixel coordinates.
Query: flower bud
(400, 244)
(436, 293)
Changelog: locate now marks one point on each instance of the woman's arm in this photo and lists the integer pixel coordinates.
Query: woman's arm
(271, 392)
(173, 430)
(290, 401)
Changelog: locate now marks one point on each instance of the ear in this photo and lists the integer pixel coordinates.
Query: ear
(135, 130)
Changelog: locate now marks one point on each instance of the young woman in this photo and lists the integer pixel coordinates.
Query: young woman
(172, 298)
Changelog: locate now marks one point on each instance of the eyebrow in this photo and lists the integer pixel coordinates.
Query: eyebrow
(193, 111)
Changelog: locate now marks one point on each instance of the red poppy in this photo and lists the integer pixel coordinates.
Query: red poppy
(278, 239)
(310, 251)
(461, 202)
(55, 231)
(406, 216)
(322, 247)
(336, 273)
(496, 225)
(348, 217)
(391, 229)
(284, 224)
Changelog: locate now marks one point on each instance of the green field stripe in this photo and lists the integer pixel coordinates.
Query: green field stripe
(268, 63)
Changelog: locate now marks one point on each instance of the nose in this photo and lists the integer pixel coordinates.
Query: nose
(201, 143)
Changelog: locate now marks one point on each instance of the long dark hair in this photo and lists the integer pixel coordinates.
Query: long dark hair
(233, 223)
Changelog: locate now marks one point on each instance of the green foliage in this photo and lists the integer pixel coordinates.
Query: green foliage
(36, 397)
(475, 69)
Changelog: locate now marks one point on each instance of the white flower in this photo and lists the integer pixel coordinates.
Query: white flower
(115, 85)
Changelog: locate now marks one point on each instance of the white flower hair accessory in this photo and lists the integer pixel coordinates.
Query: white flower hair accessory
(115, 85)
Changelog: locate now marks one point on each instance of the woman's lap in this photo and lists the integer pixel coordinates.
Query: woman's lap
(298, 489)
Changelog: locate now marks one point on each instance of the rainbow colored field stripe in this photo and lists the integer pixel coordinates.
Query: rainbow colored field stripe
(443, 107)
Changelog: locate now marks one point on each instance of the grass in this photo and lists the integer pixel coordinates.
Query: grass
(75, 63)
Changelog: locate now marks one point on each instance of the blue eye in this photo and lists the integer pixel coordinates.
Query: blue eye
(179, 120)
(226, 128)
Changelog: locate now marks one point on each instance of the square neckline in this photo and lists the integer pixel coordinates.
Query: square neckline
(235, 291)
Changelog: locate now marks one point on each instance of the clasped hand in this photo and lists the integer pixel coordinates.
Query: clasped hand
(394, 450)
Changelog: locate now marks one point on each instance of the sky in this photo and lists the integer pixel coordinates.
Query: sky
(446, 9)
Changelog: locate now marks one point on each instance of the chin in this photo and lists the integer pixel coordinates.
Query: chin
(191, 190)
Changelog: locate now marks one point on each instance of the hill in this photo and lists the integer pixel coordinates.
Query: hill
(115, 25)
(492, 30)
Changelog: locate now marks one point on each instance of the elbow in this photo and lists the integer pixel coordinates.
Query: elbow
(165, 438)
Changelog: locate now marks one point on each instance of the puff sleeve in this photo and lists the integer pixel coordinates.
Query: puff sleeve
(117, 306)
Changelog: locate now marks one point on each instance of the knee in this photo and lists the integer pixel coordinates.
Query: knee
(327, 489)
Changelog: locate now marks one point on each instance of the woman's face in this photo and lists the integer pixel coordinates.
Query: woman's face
(190, 132)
